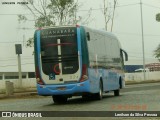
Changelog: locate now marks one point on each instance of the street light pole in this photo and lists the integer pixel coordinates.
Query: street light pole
(18, 48)
(142, 40)
(19, 71)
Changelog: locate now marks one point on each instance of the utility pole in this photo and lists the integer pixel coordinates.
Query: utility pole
(18, 52)
(115, 3)
(144, 74)
(105, 14)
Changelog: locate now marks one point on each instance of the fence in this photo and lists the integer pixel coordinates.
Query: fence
(139, 76)
(31, 82)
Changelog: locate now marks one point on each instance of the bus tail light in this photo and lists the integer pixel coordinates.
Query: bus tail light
(77, 25)
(38, 78)
(84, 73)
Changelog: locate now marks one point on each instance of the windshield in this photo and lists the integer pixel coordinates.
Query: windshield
(59, 48)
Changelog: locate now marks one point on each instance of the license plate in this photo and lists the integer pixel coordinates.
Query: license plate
(61, 88)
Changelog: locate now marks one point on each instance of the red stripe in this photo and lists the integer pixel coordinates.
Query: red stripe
(59, 44)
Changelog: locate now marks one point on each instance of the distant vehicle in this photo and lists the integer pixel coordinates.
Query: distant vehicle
(77, 60)
(142, 70)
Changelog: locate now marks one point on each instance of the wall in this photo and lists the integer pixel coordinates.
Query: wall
(31, 82)
(139, 76)
(26, 83)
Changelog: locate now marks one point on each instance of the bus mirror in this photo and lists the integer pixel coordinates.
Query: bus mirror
(126, 55)
(88, 36)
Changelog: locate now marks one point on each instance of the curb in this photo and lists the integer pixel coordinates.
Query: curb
(141, 82)
(18, 95)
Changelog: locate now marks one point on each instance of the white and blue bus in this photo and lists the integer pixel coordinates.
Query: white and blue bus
(77, 60)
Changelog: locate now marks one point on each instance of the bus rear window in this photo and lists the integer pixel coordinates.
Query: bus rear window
(59, 46)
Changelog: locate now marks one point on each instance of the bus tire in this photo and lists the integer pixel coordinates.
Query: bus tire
(116, 92)
(99, 95)
(59, 99)
(120, 83)
(85, 97)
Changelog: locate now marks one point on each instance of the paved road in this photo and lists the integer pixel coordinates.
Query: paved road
(142, 97)
(133, 97)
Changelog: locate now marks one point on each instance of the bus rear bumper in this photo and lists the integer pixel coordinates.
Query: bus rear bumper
(67, 89)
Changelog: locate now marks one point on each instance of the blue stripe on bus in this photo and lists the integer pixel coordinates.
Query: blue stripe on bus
(79, 47)
(38, 47)
(79, 40)
(38, 54)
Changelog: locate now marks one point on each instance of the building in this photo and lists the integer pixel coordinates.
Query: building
(153, 66)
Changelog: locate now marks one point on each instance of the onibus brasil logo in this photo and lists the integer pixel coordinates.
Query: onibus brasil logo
(21, 114)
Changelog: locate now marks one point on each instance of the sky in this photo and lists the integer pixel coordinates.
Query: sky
(127, 28)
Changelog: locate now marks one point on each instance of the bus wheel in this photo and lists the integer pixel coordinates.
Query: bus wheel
(116, 92)
(85, 97)
(99, 95)
(59, 99)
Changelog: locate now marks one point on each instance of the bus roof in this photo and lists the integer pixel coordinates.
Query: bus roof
(103, 32)
(99, 31)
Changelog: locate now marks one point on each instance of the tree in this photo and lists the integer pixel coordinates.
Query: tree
(157, 52)
(108, 13)
(158, 17)
(51, 13)
(64, 11)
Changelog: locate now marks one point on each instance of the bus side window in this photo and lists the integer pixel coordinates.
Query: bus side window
(88, 36)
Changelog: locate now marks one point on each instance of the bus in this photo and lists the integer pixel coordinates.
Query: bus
(77, 61)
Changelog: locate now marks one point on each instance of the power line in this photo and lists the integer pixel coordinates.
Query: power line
(128, 5)
(111, 7)
(24, 57)
(95, 9)
(24, 28)
(16, 59)
(125, 33)
(16, 65)
(140, 57)
(136, 52)
(151, 6)
(81, 10)
(17, 14)
(10, 41)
